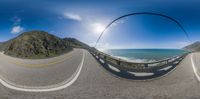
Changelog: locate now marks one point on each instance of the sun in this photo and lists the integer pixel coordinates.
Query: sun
(98, 28)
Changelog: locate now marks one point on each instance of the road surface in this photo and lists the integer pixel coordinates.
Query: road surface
(38, 73)
(94, 82)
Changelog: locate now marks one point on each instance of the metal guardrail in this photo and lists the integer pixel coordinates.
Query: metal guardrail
(137, 67)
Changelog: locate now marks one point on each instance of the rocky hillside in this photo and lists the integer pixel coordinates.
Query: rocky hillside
(3, 45)
(75, 43)
(35, 44)
(193, 47)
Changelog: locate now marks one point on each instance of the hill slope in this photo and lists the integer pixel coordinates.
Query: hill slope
(35, 44)
(193, 47)
(3, 45)
(75, 43)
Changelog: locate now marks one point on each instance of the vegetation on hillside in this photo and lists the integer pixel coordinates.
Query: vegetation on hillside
(39, 44)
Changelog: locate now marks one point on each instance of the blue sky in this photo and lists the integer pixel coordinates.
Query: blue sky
(85, 19)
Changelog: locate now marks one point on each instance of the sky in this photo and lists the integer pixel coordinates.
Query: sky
(86, 19)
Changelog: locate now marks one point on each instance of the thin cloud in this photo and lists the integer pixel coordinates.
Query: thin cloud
(16, 20)
(17, 29)
(73, 16)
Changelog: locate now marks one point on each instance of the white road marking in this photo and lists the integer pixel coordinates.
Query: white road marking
(194, 68)
(55, 87)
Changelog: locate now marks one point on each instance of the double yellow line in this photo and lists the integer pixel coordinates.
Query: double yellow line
(41, 65)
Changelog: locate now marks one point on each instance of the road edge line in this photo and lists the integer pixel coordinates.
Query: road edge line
(194, 68)
(54, 88)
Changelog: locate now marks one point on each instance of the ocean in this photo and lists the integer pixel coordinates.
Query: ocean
(144, 55)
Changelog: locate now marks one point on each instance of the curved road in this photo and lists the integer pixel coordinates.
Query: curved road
(37, 73)
(94, 82)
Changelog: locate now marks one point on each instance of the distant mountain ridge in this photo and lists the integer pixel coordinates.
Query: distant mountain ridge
(39, 44)
(76, 43)
(193, 47)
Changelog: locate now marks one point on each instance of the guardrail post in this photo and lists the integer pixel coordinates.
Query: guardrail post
(104, 57)
(146, 65)
(166, 61)
(95, 53)
(118, 62)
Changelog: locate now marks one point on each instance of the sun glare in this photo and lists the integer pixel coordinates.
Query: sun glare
(98, 28)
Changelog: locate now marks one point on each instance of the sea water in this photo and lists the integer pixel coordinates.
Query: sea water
(144, 55)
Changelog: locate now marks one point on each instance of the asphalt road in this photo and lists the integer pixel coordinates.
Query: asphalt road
(94, 82)
(196, 58)
(36, 73)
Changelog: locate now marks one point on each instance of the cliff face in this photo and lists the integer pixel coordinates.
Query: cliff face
(36, 44)
(193, 47)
